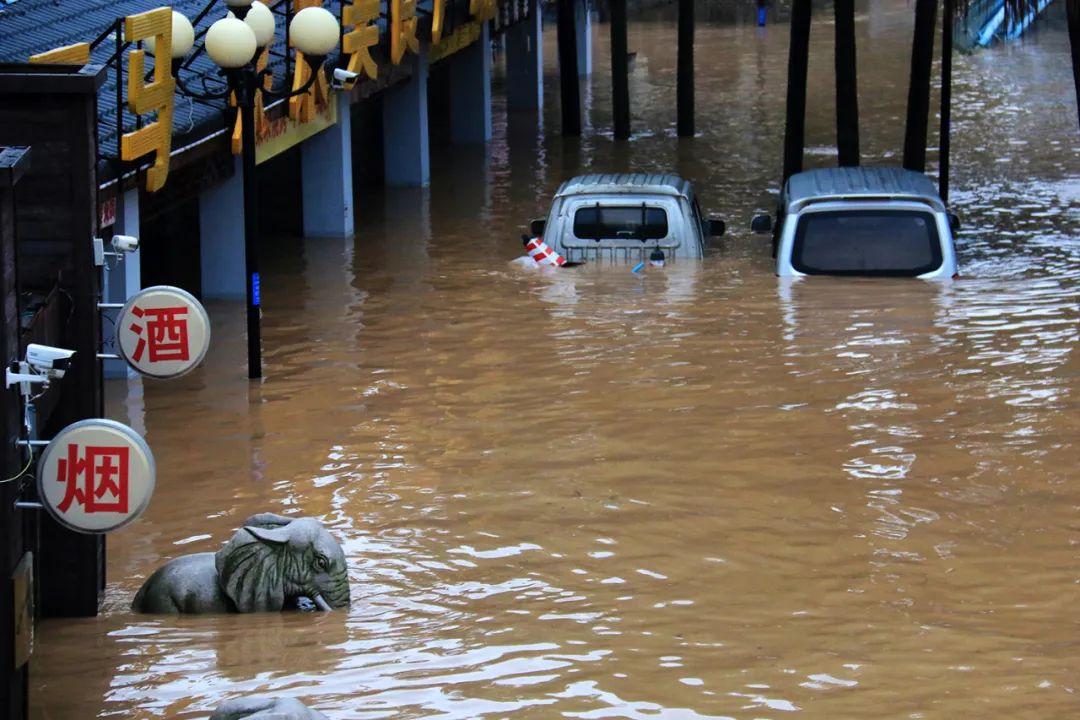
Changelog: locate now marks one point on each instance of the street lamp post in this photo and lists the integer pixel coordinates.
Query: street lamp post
(235, 43)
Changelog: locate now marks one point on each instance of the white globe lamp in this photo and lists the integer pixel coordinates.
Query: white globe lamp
(314, 31)
(230, 43)
(261, 21)
(183, 37)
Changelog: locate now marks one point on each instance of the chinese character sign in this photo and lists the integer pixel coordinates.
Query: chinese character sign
(483, 10)
(96, 476)
(357, 43)
(155, 97)
(403, 22)
(163, 332)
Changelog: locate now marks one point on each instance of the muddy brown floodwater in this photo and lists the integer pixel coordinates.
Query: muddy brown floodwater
(695, 493)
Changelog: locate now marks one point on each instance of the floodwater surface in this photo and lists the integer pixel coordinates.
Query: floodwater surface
(696, 492)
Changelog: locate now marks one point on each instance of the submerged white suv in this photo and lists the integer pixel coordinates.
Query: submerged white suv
(626, 218)
(862, 221)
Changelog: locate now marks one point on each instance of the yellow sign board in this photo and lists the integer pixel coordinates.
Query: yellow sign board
(461, 38)
(283, 132)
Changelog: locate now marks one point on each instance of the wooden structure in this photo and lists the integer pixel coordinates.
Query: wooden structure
(13, 532)
(569, 87)
(918, 105)
(51, 292)
(620, 71)
(684, 81)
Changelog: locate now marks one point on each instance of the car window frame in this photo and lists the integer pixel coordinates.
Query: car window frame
(574, 209)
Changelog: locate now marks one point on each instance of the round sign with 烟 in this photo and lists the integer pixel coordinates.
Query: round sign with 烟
(96, 476)
(163, 332)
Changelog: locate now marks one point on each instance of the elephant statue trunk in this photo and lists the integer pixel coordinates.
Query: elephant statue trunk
(269, 564)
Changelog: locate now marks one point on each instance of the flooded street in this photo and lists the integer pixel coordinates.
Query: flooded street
(698, 492)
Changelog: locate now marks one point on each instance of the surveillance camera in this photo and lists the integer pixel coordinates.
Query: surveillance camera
(52, 361)
(125, 243)
(343, 77)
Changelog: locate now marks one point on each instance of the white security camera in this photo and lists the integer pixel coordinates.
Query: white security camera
(343, 77)
(125, 243)
(52, 361)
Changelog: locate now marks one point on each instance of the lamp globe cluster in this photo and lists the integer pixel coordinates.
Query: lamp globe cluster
(235, 40)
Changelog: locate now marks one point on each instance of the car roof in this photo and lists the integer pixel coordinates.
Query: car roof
(635, 183)
(858, 183)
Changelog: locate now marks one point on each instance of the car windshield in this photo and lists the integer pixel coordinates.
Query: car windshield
(867, 242)
(634, 222)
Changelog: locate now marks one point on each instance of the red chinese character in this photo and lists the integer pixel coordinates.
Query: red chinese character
(103, 470)
(167, 333)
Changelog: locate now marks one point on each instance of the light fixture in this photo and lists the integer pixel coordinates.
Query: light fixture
(183, 37)
(261, 21)
(238, 3)
(230, 43)
(314, 31)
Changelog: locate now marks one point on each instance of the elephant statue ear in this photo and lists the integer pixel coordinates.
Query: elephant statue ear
(251, 568)
(278, 536)
(267, 520)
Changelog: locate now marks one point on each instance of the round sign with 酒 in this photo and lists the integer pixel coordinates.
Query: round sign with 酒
(163, 332)
(96, 476)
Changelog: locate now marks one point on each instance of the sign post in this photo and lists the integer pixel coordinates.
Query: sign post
(96, 476)
(163, 332)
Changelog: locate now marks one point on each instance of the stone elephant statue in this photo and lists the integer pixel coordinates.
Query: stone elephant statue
(263, 708)
(271, 563)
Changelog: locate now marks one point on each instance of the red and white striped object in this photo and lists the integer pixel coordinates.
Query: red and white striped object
(539, 251)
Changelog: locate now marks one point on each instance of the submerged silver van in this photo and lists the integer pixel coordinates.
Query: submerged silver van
(862, 221)
(625, 218)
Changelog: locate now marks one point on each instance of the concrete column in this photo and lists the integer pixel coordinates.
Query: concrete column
(221, 237)
(326, 168)
(525, 63)
(405, 130)
(470, 92)
(123, 278)
(583, 25)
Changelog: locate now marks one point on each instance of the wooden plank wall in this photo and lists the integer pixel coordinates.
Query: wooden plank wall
(13, 682)
(53, 110)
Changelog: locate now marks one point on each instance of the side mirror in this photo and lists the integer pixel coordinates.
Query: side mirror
(716, 227)
(536, 227)
(761, 224)
(954, 222)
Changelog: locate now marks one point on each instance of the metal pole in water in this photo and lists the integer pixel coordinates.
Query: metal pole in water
(1073, 12)
(847, 92)
(568, 69)
(246, 101)
(798, 56)
(685, 81)
(947, 17)
(620, 80)
(918, 107)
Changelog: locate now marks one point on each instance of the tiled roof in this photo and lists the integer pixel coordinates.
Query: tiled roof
(34, 26)
(28, 27)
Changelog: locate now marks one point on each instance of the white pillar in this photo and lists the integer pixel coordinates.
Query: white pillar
(221, 237)
(470, 92)
(326, 166)
(123, 278)
(405, 129)
(525, 63)
(583, 25)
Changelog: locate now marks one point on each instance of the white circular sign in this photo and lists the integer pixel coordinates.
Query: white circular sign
(163, 332)
(96, 476)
